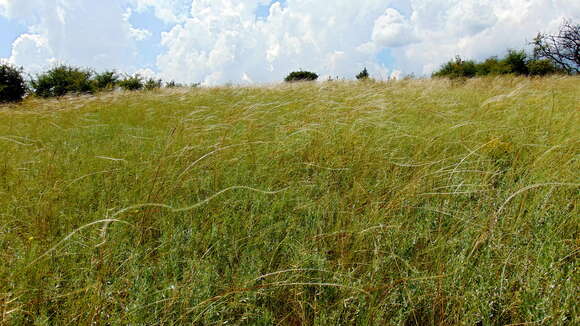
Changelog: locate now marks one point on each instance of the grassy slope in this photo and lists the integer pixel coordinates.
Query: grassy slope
(413, 202)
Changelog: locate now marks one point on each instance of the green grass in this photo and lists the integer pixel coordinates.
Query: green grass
(416, 202)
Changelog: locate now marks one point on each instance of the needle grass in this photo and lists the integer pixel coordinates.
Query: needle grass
(414, 202)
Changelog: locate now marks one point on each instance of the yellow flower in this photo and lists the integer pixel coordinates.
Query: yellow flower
(496, 143)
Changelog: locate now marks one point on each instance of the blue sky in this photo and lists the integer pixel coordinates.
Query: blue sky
(149, 49)
(257, 41)
(9, 32)
(264, 9)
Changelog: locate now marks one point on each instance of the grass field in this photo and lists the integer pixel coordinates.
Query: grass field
(416, 202)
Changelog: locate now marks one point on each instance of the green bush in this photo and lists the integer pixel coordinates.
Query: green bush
(301, 76)
(457, 68)
(492, 66)
(106, 80)
(541, 67)
(363, 75)
(151, 84)
(132, 83)
(62, 80)
(173, 84)
(517, 62)
(12, 86)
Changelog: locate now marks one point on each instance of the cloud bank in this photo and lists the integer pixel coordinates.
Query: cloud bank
(221, 41)
(78, 32)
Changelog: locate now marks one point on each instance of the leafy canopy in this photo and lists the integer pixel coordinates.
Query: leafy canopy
(12, 85)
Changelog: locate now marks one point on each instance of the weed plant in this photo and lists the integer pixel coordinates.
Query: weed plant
(415, 202)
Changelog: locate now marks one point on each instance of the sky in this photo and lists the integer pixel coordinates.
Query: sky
(216, 42)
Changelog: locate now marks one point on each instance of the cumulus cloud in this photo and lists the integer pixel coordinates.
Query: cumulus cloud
(476, 29)
(220, 41)
(32, 51)
(223, 40)
(147, 73)
(19, 9)
(139, 34)
(169, 11)
(393, 30)
(77, 32)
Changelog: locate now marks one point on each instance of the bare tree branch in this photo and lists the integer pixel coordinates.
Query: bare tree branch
(562, 49)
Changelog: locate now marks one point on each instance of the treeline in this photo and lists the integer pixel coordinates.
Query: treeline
(515, 62)
(552, 54)
(62, 80)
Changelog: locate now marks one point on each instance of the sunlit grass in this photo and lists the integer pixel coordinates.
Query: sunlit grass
(414, 202)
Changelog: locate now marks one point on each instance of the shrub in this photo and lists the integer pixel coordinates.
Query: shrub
(301, 76)
(516, 61)
(541, 67)
(457, 68)
(106, 80)
(132, 83)
(151, 84)
(62, 80)
(12, 86)
(363, 75)
(492, 66)
(173, 84)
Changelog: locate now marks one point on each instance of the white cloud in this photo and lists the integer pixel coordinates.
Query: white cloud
(76, 32)
(223, 41)
(139, 34)
(31, 51)
(147, 73)
(220, 41)
(19, 9)
(169, 11)
(393, 30)
(470, 17)
(476, 29)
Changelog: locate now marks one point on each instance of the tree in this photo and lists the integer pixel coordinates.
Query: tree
(132, 83)
(457, 68)
(517, 62)
(173, 84)
(363, 75)
(152, 84)
(12, 86)
(106, 80)
(563, 49)
(62, 80)
(493, 66)
(541, 67)
(301, 76)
